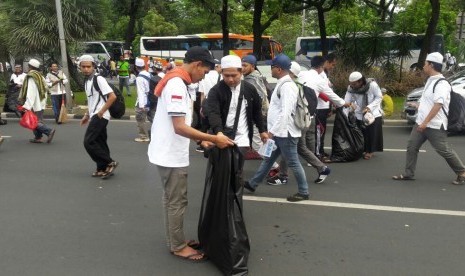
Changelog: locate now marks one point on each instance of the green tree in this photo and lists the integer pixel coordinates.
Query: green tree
(32, 25)
(153, 24)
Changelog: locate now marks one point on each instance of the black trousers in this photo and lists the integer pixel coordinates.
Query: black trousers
(95, 142)
(320, 130)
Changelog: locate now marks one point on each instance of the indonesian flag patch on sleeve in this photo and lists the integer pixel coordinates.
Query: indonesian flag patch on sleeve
(176, 98)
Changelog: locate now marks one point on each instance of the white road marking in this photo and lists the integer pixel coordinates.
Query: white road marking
(5, 136)
(389, 150)
(360, 206)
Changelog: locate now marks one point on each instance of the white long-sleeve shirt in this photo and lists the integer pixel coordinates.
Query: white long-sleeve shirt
(280, 120)
(312, 79)
(32, 97)
(18, 79)
(374, 96)
(58, 88)
(143, 87)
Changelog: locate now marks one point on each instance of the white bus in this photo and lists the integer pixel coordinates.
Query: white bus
(175, 47)
(310, 46)
(101, 50)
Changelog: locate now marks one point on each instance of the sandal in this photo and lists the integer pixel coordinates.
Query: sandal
(191, 258)
(368, 156)
(110, 169)
(98, 173)
(402, 177)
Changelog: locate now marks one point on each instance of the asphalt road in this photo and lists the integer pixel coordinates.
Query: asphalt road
(57, 220)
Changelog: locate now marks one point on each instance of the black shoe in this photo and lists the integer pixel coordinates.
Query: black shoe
(248, 187)
(297, 197)
(3, 122)
(199, 149)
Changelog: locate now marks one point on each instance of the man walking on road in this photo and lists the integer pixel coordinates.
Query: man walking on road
(169, 146)
(282, 129)
(95, 139)
(34, 94)
(431, 122)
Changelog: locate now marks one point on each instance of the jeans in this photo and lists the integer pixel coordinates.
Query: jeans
(124, 82)
(305, 153)
(288, 148)
(41, 127)
(56, 104)
(95, 142)
(438, 139)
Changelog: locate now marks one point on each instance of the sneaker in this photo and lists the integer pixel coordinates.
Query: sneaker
(277, 180)
(297, 197)
(3, 122)
(459, 181)
(199, 149)
(322, 176)
(248, 187)
(50, 136)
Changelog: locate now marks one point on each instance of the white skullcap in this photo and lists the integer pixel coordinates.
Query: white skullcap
(355, 76)
(231, 61)
(295, 68)
(435, 57)
(34, 63)
(86, 58)
(140, 62)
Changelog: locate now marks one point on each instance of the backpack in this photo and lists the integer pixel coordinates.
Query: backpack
(152, 100)
(118, 108)
(310, 95)
(456, 115)
(302, 117)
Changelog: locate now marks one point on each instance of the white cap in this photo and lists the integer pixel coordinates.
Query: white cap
(86, 58)
(435, 57)
(355, 76)
(140, 62)
(295, 68)
(34, 63)
(368, 118)
(231, 61)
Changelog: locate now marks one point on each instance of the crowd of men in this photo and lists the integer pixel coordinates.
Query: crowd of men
(236, 109)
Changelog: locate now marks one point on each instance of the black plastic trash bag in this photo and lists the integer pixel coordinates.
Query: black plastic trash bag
(11, 100)
(222, 233)
(347, 140)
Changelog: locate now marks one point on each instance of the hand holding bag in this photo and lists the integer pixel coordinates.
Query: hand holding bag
(29, 120)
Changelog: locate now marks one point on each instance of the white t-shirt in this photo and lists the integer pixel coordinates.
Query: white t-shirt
(242, 133)
(94, 101)
(18, 79)
(143, 87)
(167, 148)
(428, 99)
(210, 80)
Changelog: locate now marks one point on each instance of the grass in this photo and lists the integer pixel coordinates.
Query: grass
(81, 99)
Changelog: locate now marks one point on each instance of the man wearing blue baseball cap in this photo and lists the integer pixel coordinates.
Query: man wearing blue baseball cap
(282, 129)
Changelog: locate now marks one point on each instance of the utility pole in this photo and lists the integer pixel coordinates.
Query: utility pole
(303, 22)
(64, 59)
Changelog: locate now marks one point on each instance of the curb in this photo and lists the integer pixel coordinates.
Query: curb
(8, 115)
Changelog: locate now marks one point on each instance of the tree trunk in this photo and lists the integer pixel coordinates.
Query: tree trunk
(322, 26)
(130, 35)
(430, 31)
(225, 27)
(257, 28)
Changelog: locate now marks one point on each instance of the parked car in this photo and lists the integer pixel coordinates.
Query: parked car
(410, 111)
